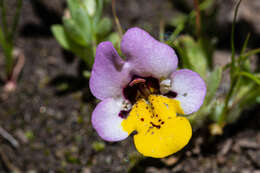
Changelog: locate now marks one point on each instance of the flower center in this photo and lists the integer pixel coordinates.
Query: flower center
(140, 88)
(148, 116)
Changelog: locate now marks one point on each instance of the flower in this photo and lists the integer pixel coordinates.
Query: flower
(144, 94)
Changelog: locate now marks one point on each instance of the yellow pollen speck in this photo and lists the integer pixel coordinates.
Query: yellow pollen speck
(160, 132)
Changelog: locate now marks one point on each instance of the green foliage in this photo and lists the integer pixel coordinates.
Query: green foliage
(193, 55)
(213, 83)
(83, 28)
(98, 146)
(220, 107)
(29, 135)
(7, 34)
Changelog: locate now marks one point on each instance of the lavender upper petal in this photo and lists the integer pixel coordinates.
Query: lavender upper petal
(109, 73)
(148, 56)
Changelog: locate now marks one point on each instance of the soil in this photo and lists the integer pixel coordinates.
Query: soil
(49, 113)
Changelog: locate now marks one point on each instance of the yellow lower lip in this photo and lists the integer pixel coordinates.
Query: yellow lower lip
(160, 132)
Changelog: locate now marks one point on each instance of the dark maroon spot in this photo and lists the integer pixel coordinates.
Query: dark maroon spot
(154, 125)
(156, 115)
(142, 119)
(123, 114)
(162, 122)
(171, 94)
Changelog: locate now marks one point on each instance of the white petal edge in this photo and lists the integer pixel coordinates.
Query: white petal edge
(106, 120)
(190, 89)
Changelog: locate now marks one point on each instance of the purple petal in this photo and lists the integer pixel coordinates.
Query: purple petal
(106, 120)
(109, 73)
(190, 89)
(148, 56)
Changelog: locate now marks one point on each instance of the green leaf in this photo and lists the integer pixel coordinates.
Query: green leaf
(104, 26)
(213, 82)
(202, 7)
(75, 33)
(194, 57)
(73, 7)
(178, 22)
(90, 6)
(81, 18)
(251, 76)
(114, 38)
(180, 19)
(208, 49)
(98, 13)
(217, 111)
(245, 44)
(251, 52)
(85, 53)
(60, 35)
(250, 98)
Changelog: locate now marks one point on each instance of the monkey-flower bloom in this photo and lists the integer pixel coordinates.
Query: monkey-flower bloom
(143, 94)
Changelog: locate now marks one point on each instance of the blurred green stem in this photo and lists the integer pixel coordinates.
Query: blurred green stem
(251, 76)
(16, 19)
(161, 30)
(7, 37)
(240, 58)
(223, 117)
(232, 42)
(3, 13)
(251, 52)
(118, 25)
(234, 73)
(198, 24)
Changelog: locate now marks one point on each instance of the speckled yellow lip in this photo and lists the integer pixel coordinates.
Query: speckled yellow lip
(160, 132)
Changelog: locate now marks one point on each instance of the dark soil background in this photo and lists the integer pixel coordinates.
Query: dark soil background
(49, 113)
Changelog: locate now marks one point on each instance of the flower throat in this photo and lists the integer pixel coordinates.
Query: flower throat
(142, 88)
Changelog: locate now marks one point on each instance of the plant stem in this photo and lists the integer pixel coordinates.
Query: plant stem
(198, 21)
(234, 73)
(8, 59)
(3, 13)
(243, 50)
(161, 31)
(16, 19)
(232, 42)
(223, 116)
(251, 52)
(119, 28)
